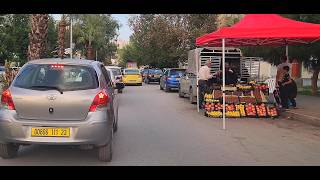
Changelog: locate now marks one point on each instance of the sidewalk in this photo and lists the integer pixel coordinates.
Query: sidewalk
(308, 110)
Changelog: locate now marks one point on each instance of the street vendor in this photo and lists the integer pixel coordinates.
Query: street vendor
(204, 76)
(231, 75)
(280, 70)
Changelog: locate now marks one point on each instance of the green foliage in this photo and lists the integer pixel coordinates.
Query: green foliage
(163, 40)
(14, 37)
(98, 31)
(14, 30)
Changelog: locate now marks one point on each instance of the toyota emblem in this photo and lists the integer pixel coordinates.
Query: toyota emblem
(52, 97)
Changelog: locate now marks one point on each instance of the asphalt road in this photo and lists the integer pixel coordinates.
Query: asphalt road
(158, 128)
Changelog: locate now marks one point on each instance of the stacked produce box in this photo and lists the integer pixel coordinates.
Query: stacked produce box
(247, 101)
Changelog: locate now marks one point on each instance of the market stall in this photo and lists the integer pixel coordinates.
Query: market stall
(259, 30)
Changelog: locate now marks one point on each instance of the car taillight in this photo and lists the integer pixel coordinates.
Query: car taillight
(6, 100)
(57, 66)
(100, 100)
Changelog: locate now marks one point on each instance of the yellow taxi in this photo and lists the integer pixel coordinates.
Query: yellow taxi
(132, 76)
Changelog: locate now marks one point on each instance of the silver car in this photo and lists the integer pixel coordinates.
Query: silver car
(59, 102)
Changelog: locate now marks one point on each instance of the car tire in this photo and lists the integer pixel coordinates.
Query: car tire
(115, 126)
(161, 88)
(166, 88)
(8, 151)
(191, 97)
(180, 93)
(105, 152)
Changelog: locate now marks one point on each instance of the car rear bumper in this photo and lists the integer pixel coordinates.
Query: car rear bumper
(174, 84)
(95, 130)
(154, 79)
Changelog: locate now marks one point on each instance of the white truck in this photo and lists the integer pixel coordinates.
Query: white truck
(247, 67)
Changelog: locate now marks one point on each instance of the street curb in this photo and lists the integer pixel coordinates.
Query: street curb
(301, 117)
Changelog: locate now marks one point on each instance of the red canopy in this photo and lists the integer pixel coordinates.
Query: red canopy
(263, 30)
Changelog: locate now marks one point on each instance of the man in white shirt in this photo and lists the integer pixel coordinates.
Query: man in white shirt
(204, 75)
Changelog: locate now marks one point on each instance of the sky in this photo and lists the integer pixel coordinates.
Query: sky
(124, 31)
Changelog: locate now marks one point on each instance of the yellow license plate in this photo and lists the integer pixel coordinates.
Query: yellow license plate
(50, 132)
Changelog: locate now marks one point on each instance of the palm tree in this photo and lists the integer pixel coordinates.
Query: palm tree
(38, 35)
(92, 29)
(61, 36)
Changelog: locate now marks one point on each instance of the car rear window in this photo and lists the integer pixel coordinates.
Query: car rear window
(177, 72)
(131, 71)
(155, 71)
(65, 77)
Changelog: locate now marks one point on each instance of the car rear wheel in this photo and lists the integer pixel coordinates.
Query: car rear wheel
(105, 152)
(166, 88)
(191, 97)
(8, 151)
(180, 93)
(161, 88)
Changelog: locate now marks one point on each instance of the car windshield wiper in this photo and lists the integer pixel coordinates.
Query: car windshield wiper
(49, 87)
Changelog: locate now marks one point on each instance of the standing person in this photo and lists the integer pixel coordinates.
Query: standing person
(231, 75)
(288, 89)
(280, 69)
(204, 76)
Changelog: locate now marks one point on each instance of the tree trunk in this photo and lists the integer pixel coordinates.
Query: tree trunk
(314, 81)
(61, 36)
(90, 54)
(38, 35)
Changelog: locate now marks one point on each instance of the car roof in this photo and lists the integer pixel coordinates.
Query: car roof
(63, 61)
(113, 67)
(131, 69)
(175, 69)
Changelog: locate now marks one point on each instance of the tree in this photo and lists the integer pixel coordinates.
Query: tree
(61, 36)
(96, 32)
(37, 36)
(162, 40)
(14, 29)
(52, 39)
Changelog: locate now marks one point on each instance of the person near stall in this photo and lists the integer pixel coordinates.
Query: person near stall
(204, 76)
(231, 76)
(280, 69)
(288, 89)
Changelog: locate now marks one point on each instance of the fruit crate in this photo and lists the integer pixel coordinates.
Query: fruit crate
(250, 110)
(247, 99)
(233, 114)
(232, 99)
(241, 108)
(272, 110)
(213, 114)
(261, 110)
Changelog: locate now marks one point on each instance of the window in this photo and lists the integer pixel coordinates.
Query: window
(131, 71)
(178, 73)
(105, 74)
(65, 77)
(155, 71)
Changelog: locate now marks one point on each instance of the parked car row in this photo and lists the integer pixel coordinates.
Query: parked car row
(179, 79)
